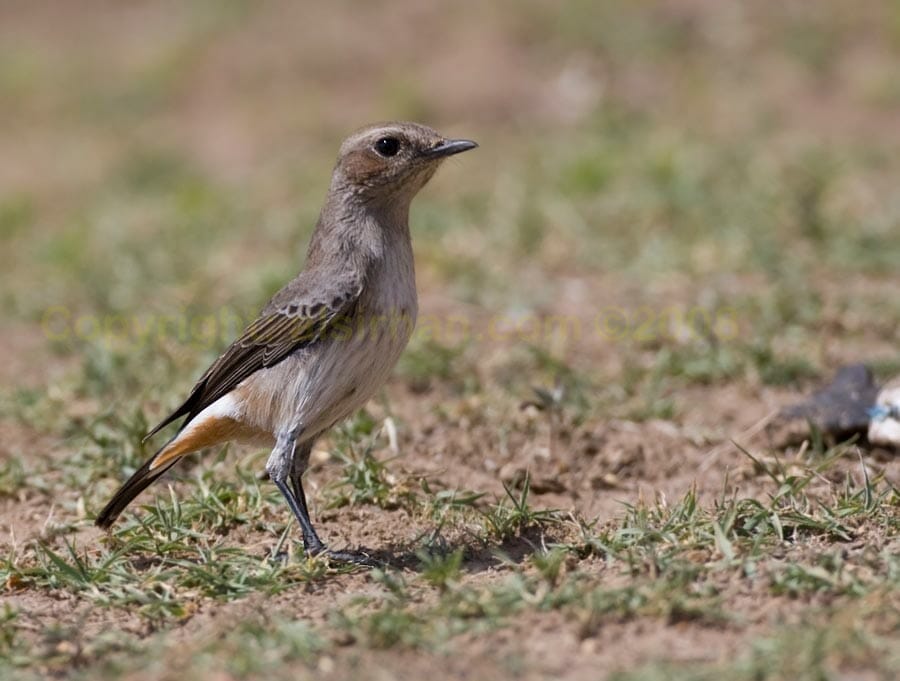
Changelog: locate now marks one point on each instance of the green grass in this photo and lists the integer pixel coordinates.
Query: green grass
(680, 560)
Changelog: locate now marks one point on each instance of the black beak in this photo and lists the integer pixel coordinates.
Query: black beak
(450, 147)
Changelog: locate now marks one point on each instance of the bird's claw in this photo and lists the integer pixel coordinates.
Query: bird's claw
(360, 558)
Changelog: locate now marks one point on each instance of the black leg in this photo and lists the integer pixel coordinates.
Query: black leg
(311, 541)
(314, 545)
(287, 456)
(300, 461)
(287, 462)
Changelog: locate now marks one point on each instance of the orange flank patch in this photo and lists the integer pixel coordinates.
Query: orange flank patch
(211, 431)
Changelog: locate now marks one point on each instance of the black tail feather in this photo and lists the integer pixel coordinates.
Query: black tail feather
(137, 483)
(188, 408)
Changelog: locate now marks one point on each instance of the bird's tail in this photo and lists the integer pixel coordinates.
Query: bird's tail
(193, 436)
(142, 478)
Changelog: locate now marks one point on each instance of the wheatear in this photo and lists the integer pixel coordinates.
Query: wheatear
(328, 340)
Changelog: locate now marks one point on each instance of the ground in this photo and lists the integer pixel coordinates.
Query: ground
(682, 216)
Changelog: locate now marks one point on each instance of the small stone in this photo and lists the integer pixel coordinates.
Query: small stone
(841, 408)
(605, 481)
(588, 646)
(321, 456)
(343, 638)
(547, 486)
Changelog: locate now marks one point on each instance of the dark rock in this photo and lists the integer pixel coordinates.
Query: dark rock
(841, 408)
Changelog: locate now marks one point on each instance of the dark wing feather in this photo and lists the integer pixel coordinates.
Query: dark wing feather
(283, 328)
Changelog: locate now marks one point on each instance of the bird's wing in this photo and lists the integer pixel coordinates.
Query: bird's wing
(296, 317)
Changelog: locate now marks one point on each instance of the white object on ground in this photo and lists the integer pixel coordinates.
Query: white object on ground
(884, 428)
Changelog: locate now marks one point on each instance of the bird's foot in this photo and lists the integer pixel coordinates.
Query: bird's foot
(360, 558)
(348, 557)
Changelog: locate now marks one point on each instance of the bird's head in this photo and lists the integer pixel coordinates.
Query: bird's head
(392, 161)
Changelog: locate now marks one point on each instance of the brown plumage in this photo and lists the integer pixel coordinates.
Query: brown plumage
(327, 340)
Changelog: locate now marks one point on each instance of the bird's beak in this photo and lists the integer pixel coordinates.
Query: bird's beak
(450, 147)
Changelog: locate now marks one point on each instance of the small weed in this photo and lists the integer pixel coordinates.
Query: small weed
(440, 570)
(513, 515)
(12, 477)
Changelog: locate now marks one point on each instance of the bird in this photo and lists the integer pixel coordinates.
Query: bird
(327, 340)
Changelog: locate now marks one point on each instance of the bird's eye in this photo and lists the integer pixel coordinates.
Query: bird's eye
(387, 146)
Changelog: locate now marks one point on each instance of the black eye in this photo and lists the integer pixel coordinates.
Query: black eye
(387, 146)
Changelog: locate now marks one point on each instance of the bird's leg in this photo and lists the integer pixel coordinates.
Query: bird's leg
(311, 541)
(314, 545)
(280, 466)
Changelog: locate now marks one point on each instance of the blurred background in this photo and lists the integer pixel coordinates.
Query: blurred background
(683, 214)
(161, 160)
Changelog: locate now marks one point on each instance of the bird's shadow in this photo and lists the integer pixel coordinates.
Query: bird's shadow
(478, 555)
